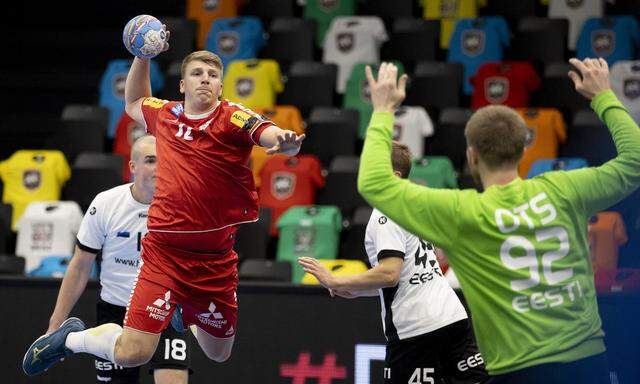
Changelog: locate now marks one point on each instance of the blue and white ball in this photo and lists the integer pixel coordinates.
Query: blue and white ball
(144, 36)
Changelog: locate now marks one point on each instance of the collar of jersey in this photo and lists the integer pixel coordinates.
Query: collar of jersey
(202, 115)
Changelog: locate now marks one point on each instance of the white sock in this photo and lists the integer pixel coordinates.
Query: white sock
(99, 341)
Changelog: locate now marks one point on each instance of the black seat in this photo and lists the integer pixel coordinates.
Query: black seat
(309, 84)
(331, 132)
(252, 239)
(435, 85)
(509, 9)
(269, 10)
(541, 39)
(86, 112)
(183, 39)
(412, 40)
(265, 270)
(388, 10)
(290, 39)
(449, 139)
(341, 185)
(589, 138)
(172, 77)
(6, 234)
(25, 132)
(622, 7)
(558, 91)
(91, 174)
(353, 244)
(75, 136)
(11, 265)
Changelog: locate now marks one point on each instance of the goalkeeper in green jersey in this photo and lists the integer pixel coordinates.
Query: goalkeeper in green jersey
(519, 248)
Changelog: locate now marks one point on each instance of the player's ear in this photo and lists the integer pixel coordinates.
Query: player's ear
(132, 166)
(182, 86)
(472, 156)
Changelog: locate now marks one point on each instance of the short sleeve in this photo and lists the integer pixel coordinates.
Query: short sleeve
(387, 236)
(246, 124)
(92, 232)
(63, 171)
(151, 108)
(424, 121)
(380, 31)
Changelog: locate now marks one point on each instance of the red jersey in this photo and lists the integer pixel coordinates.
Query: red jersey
(127, 132)
(508, 83)
(289, 181)
(203, 181)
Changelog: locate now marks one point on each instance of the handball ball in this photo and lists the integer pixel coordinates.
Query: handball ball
(144, 36)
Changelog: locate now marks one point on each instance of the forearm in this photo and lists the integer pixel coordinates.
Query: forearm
(138, 84)
(376, 172)
(374, 278)
(73, 284)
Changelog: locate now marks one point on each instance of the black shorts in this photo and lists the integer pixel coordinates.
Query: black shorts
(446, 355)
(590, 370)
(172, 351)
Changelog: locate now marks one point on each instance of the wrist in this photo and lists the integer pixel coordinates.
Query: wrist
(384, 109)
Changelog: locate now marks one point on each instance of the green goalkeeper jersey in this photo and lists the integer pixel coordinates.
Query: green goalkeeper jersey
(519, 250)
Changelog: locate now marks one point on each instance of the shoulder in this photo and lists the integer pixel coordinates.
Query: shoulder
(105, 198)
(380, 222)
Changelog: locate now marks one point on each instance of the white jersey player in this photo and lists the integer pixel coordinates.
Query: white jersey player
(112, 230)
(429, 337)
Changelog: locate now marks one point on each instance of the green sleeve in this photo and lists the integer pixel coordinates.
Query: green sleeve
(598, 188)
(428, 213)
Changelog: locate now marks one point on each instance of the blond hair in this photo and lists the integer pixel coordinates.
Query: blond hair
(204, 56)
(498, 134)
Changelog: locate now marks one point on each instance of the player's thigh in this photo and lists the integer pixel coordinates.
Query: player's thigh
(216, 348)
(171, 361)
(136, 345)
(460, 357)
(413, 361)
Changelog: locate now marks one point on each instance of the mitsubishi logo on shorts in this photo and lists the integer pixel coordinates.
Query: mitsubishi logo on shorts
(212, 312)
(160, 302)
(212, 318)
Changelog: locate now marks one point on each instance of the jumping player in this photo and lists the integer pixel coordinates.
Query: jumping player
(519, 248)
(204, 190)
(427, 329)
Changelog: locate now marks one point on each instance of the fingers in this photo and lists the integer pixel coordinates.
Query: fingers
(370, 79)
(272, 150)
(604, 63)
(402, 84)
(300, 138)
(577, 81)
(580, 65)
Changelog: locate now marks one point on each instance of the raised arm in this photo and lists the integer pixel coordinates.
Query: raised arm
(598, 188)
(428, 213)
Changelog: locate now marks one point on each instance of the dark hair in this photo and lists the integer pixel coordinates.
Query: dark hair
(401, 159)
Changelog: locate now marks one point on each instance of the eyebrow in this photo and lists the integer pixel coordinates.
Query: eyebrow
(150, 157)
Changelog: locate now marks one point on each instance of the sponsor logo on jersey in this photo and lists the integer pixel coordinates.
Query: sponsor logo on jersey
(382, 220)
(212, 318)
(345, 41)
(142, 215)
(160, 308)
(228, 42)
(574, 3)
(127, 262)
(177, 110)
(210, 5)
(92, 211)
(154, 102)
(106, 366)
(496, 89)
(470, 362)
(603, 42)
(473, 41)
(240, 118)
(244, 86)
(230, 331)
(283, 185)
(31, 179)
(328, 5)
(425, 257)
(631, 88)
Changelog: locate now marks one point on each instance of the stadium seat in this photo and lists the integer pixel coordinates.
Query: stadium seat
(412, 40)
(331, 132)
(74, 137)
(11, 265)
(540, 39)
(435, 85)
(252, 239)
(86, 112)
(173, 75)
(509, 9)
(6, 210)
(558, 91)
(386, 8)
(622, 7)
(269, 10)
(341, 187)
(265, 270)
(353, 244)
(21, 132)
(589, 138)
(449, 139)
(91, 174)
(309, 84)
(183, 39)
(290, 39)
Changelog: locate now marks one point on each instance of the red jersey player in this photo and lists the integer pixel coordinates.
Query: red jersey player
(204, 190)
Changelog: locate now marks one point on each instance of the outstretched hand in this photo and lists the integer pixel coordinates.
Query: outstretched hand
(166, 40)
(288, 144)
(387, 92)
(593, 78)
(324, 276)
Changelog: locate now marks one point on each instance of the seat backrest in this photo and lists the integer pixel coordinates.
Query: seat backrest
(265, 270)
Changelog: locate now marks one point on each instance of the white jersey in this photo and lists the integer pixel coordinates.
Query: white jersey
(577, 11)
(410, 126)
(422, 301)
(47, 228)
(115, 224)
(625, 83)
(352, 40)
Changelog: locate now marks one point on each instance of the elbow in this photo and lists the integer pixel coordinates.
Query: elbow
(366, 188)
(391, 279)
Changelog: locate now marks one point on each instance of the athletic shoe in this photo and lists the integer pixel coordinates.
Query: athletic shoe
(50, 349)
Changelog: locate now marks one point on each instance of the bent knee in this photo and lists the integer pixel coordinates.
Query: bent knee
(219, 356)
(133, 355)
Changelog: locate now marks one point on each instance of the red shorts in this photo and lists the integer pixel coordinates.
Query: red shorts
(186, 269)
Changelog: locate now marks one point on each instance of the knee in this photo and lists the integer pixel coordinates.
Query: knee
(171, 376)
(132, 355)
(219, 356)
